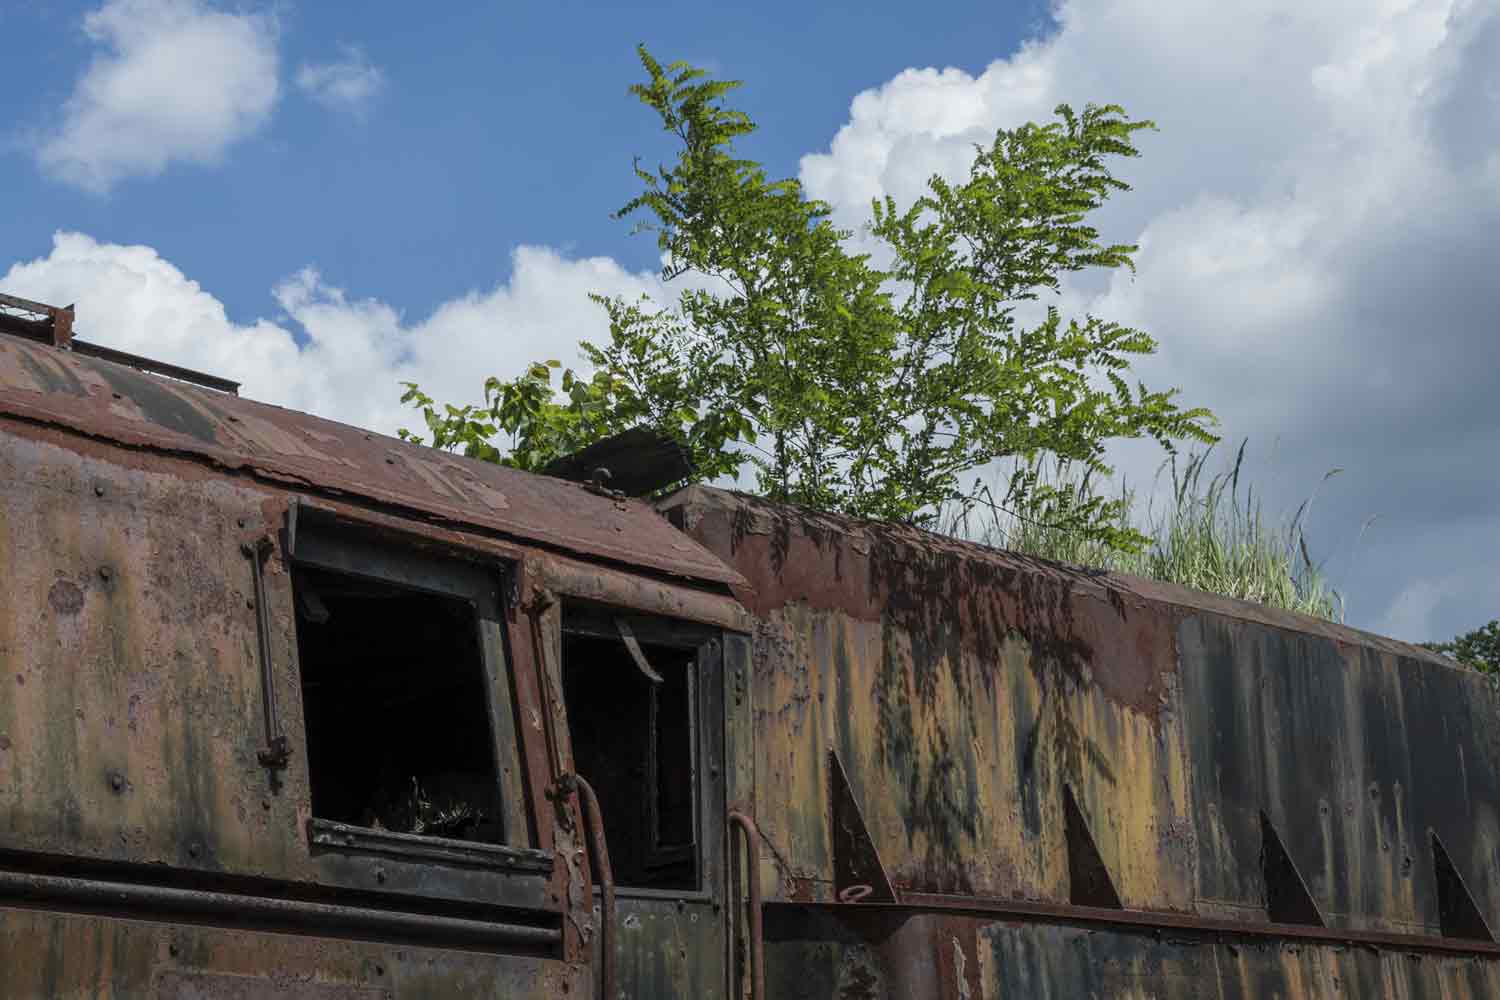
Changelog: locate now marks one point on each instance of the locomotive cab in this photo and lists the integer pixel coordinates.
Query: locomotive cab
(291, 709)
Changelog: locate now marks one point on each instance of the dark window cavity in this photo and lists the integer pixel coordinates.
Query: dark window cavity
(633, 740)
(397, 708)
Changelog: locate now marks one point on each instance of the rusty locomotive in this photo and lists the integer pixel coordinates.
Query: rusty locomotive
(293, 710)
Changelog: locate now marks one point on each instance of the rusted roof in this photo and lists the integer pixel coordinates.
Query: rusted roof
(118, 404)
(827, 561)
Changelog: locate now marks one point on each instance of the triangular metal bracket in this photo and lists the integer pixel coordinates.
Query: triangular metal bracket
(858, 874)
(1288, 900)
(1458, 915)
(1089, 883)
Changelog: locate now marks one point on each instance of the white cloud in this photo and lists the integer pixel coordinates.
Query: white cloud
(330, 354)
(1315, 218)
(174, 80)
(348, 84)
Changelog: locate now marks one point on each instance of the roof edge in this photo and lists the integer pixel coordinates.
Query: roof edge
(701, 497)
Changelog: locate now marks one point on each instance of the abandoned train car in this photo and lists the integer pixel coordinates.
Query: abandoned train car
(290, 709)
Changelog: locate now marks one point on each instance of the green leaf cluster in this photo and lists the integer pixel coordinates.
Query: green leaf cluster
(1479, 649)
(844, 386)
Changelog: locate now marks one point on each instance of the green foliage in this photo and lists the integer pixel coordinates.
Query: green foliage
(1479, 649)
(843, 386)
(1208, 538)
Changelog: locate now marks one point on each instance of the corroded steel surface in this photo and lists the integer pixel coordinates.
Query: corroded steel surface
(117, 404)
(131, 719)
(966, 690)
(130, 722)
(1359, 758)
(960, 694)
(870, 956)
(69, 955)
(131, 706)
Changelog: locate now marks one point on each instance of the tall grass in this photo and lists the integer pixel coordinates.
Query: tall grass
(1208, 537)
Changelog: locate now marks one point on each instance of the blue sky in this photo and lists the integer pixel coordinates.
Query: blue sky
(496, 124)
(323, 200)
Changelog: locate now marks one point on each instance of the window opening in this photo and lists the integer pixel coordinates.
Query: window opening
(633, 741)
(396, 706)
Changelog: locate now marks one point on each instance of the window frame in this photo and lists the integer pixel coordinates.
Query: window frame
(354, 550)
(591, 617)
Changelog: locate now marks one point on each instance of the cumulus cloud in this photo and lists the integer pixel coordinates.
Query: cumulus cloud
(347, 84)
(330, 353)
(173, 80)
(1315, 218)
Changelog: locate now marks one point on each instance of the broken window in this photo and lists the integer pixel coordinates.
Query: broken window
(631, 716)
(398, 668)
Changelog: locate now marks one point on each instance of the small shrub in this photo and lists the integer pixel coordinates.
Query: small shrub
(1209, 538)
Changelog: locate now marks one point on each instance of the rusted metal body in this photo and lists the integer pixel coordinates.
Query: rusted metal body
(1002, 724)
(155, 838)
(959, 773)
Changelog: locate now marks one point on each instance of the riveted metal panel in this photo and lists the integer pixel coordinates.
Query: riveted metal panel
(1358, 756)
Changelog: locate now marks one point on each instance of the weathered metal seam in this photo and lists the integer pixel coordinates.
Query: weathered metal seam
(58, 893)
(1151, 921)
(568, 577)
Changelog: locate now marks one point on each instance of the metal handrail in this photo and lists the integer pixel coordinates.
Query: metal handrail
(757, 930)
(277, 751)
(605, 876)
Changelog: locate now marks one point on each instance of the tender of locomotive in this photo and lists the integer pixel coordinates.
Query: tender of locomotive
(290, 709)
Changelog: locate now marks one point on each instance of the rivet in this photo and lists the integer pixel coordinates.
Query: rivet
(379, 970)
(239, 521)
(265, 804)
(194, 849)
(105, 573)
(98, 489)
(380, 875)
(117, 781)
(173, 950)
